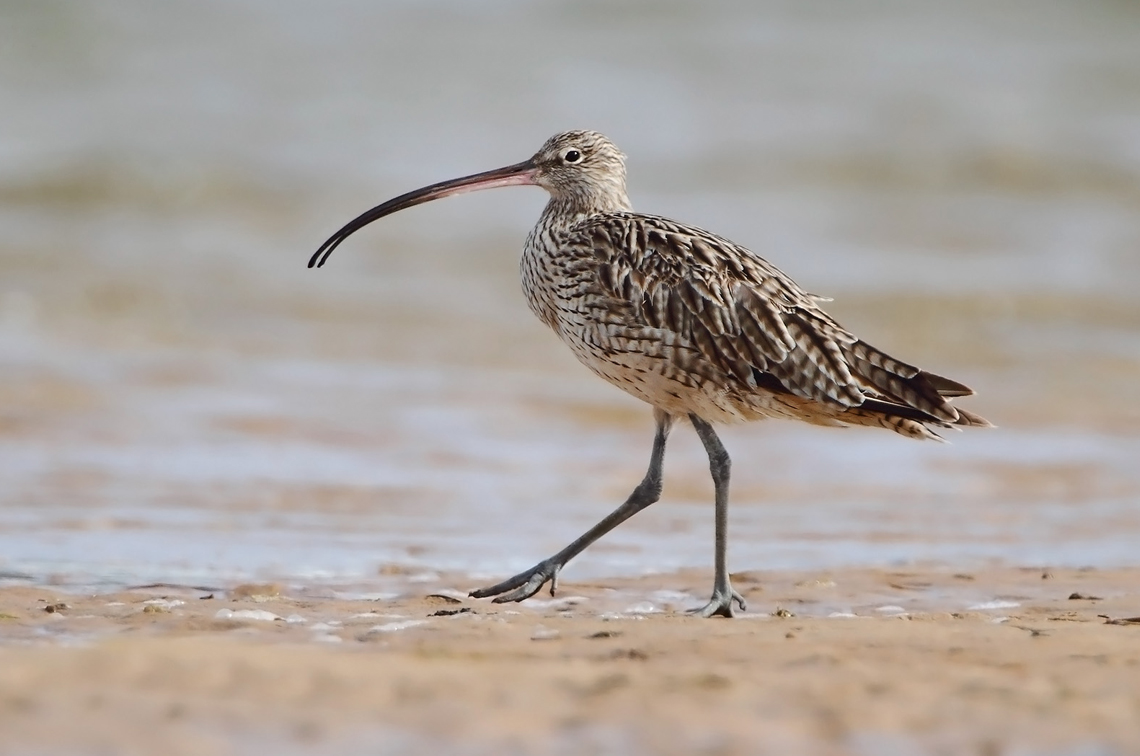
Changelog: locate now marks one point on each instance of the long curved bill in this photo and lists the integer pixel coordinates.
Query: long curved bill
(512, 175)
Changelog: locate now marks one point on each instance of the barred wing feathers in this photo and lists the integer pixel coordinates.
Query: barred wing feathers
(749, 323)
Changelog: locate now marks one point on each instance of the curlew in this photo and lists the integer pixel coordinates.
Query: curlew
(691, 323)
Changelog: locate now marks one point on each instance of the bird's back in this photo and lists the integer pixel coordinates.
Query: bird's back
(693, 323)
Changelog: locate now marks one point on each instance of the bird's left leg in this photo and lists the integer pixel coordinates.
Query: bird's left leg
(526, 584)
(719, 464)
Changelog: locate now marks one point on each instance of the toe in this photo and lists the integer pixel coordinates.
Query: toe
(521, 586)
(539, 576)
(721, 603)
(715, 608)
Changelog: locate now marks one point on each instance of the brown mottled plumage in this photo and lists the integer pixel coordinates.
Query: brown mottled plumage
(691, 323)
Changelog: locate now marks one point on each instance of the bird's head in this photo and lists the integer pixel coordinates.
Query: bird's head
(581, 169)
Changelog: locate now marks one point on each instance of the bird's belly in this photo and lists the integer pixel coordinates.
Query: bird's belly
(653, 375)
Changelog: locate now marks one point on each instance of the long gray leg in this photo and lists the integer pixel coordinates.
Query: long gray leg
(526, 584)
(720, 465)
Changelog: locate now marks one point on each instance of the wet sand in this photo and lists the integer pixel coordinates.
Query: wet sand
(182, 400)
(920, 660)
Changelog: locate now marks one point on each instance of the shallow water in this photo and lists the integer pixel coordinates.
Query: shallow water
(180, 399)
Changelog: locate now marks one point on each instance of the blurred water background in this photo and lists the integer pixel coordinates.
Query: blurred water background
(181, 398)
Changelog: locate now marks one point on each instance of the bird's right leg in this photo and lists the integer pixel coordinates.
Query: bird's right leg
(526, 584)
(719, 464)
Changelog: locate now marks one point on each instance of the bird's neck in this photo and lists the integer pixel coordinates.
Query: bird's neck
(564, 212)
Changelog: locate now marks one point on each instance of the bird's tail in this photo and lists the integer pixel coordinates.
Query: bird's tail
(904, 399)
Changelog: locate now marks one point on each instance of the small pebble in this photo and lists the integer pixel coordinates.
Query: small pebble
(392, 627)
(544, 633)
(996, 604)
(249, 614)
(642, 607)
(558, 604)
(256, 591)
(604, 634)
(446, 596)
(451, 612)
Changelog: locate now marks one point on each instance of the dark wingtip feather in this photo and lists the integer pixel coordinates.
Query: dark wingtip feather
(946, 387)
(965, 417)
(891, 409)
(894, 409)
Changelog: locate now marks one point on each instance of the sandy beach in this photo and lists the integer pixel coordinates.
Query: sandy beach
(860, 661)
(242, 502)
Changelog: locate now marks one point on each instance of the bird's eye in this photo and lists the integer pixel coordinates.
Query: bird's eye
(572, 156)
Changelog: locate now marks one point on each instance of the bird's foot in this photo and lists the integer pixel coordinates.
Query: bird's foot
(720, 605)
(523, 585)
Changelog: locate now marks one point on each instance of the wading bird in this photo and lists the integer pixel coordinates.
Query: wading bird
(687, 321)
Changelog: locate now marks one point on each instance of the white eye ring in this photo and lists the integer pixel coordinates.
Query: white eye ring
(572, 156)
